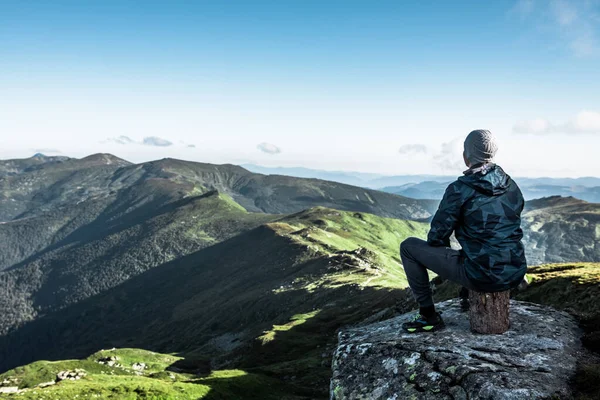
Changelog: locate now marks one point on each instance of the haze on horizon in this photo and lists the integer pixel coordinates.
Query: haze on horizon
(387, 88)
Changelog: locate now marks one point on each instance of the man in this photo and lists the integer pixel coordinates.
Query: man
(483, 207)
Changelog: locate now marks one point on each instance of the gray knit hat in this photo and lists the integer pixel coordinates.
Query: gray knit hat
(480, 147)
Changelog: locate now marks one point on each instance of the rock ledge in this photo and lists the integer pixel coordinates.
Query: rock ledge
(533, 360)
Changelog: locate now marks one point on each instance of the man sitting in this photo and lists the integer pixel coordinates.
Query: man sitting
(483, 207)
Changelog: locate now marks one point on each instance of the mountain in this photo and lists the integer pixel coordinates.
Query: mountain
(233, 270)
(136, 373)
(52, 184)
(421, 190)
(233, 303)
(363, 179)
(433, 186)
(559, 229)
(530, 187)
(74, 228)
(111, 249)
(12, 167)
(349, 178)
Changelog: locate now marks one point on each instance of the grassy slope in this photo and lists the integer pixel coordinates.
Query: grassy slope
(573, 287)
(292, 357)
(334, 232)
(120, 248)
(267, 301)
(156, 381)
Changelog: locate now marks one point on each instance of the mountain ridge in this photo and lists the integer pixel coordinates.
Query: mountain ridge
(228, 268)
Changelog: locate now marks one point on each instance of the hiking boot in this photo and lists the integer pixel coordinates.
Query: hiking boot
(422, 324)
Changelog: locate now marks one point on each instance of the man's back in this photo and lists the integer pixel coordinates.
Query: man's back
(484, 209)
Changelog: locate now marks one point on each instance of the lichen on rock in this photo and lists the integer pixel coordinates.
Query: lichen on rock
(533, 360)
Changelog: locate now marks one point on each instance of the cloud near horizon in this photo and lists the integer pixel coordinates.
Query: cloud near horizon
(147, 141)
(450, 156)
(121, 140)
(585, 122)
(268, 148)
(413, 149)
(156, 141)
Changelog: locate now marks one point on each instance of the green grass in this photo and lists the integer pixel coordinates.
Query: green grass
(572, 286)
(296, 320)
(330, 232)
(104, 382)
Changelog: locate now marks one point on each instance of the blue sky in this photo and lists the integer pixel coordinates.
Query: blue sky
(387, 86)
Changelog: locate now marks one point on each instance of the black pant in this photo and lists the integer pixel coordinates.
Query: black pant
(418, 257)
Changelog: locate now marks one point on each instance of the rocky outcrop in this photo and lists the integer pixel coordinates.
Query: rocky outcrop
(533, 360)
(70, 375)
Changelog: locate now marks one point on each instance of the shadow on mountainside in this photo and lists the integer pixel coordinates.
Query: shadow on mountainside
(116, 217)
(258, 301)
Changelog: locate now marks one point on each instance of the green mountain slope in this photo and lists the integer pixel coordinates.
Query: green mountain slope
(231, 302)
(136, 374)
(99, 253)
(107, 252)
(43, 186)
(291, 360)
(74, 228)
(39, 184)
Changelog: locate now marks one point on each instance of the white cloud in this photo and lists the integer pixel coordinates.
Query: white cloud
(156, 141)
(450, 156)
(153, 141)
(268, 148)
(537, 126)
(413, 149)
(583, 122)
(121, 140)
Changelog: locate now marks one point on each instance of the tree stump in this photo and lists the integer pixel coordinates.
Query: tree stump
(488, 312)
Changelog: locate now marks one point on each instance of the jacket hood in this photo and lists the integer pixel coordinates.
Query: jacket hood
(492, 181)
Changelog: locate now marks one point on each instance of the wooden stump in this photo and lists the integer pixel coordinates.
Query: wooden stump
(488, 312)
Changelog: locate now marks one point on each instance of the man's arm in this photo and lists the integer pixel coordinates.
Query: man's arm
(446, 218)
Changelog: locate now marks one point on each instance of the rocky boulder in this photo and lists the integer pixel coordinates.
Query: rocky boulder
(533, 360)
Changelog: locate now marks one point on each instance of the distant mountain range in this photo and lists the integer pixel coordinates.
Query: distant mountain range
(530, 187)
(214, 262)
(373, 181)
(433, 186)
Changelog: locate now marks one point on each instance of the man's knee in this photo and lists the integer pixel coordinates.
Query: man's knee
(410, 243)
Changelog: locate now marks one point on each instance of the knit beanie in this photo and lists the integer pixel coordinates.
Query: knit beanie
(480, 147)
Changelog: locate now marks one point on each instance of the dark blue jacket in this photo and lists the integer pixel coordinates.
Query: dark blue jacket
(484, 210)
